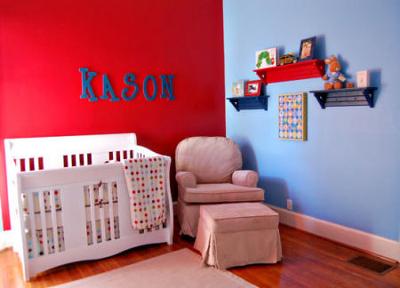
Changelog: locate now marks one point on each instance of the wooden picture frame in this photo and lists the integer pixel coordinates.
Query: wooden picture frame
(307, 47)
(292, 116)
(253, 88)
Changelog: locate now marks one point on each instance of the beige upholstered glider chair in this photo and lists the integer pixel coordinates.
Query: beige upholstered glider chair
(208, 172)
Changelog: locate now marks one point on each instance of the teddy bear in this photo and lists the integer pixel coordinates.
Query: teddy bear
(335, 79)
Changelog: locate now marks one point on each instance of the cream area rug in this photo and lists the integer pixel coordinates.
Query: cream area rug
(180, 268)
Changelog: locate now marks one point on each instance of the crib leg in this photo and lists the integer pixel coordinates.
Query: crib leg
(25, 272)
(170, 240)
(170, 225)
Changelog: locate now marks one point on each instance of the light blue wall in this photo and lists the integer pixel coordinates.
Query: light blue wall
(348, 172)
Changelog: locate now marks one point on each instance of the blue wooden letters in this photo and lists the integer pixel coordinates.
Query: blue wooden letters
(150, 87)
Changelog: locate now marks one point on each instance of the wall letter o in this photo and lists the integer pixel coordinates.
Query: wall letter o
(146, 94)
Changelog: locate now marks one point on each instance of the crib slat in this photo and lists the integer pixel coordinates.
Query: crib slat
(43, 221)
(54, 220)
(36, 163)
(110, 213)
(101, 214)
(92, 214)
(32, 219)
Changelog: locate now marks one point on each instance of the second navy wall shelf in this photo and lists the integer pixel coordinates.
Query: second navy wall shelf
(345, 97)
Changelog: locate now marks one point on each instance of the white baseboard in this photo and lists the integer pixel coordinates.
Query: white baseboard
(341, 234)
(6, 239)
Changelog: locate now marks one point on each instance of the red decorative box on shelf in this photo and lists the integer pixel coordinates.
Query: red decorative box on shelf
(297, 71)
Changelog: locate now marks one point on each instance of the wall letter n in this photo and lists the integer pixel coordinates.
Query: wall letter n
(167, 86)
(87, 78)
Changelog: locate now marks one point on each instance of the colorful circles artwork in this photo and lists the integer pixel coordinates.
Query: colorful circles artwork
(293, 117)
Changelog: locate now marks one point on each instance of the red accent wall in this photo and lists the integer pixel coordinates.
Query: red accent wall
(43, 43)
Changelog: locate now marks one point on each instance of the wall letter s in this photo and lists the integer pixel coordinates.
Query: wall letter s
(129, 80)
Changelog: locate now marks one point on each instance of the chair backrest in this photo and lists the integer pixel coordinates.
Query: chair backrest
(210, 159)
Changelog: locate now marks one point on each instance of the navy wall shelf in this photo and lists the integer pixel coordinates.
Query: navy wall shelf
(249, 102)
(345, 97)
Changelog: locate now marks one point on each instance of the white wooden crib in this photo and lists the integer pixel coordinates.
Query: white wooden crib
(67, 204)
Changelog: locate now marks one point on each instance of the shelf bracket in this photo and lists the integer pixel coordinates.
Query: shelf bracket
(369, 95)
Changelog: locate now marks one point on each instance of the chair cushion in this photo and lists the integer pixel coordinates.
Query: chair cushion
(210, 159)
(238, 217)
(220, 193)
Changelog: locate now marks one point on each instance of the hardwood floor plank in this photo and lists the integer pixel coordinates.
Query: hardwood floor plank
(309, 261)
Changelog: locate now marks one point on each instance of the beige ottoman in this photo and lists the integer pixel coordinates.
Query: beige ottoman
(238, 234)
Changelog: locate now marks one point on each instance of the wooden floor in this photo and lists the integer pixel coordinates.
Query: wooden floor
(309, 261)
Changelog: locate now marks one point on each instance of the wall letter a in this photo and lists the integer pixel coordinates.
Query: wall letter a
(87, 77)
(108, 90)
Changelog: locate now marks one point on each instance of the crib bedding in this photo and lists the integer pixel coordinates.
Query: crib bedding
(146, 188)
(64, 214)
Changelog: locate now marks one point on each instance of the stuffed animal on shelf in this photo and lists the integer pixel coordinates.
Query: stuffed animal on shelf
(335, 79)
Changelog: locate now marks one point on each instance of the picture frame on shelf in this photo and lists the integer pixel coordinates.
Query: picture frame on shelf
(307, 48)
(267, 58)
(363, 79)
(238, 88)
(253, 88)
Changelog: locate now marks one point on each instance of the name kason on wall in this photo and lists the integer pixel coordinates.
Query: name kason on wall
(131, 90)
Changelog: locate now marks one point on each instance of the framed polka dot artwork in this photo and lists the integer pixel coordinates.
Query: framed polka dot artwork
(293, 116)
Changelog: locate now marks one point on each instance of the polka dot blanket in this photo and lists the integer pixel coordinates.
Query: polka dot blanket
(145, 179)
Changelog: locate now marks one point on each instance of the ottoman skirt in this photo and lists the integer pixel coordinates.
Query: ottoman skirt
(239, 234)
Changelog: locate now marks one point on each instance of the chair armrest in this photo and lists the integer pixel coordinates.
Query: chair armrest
(247, 178)
(186, 179)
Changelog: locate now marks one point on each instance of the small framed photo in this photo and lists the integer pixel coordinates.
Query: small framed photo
(362, 79)
(253, 88)
(307, 49)
(238, 88)
(266, 58)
